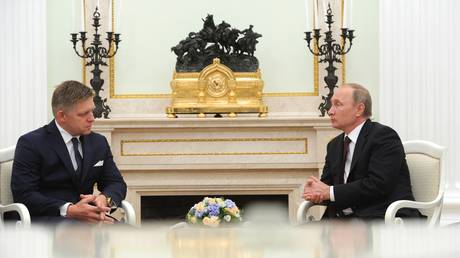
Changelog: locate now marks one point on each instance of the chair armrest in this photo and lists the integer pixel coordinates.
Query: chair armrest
(21, 209)
(130, 215)
(303, 209)
(390, 214)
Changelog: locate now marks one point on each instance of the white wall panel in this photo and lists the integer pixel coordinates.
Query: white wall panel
(419, 75)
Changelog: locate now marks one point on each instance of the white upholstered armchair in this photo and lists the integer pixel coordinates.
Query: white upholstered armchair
(427, 172)
(6, 197)
(426, 167)
(130, 215)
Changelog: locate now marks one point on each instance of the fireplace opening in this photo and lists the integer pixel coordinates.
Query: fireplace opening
(174, 208)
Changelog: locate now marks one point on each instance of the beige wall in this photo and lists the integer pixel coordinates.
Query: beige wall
(152, 30)
(63, 63)
(285, 64)
(363, 60)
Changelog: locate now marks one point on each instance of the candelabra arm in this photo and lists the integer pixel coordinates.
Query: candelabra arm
(78, 54)
(316, 38)
(312, 51)
(348, 49)
(85, 53)
(114, 51)
(74, 41)
(116, 39)
(347, 34)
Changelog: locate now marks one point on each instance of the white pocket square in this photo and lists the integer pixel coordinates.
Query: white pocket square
(99, 163)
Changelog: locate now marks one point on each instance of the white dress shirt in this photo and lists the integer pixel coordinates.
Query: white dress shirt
(353, 135)
(67, 137)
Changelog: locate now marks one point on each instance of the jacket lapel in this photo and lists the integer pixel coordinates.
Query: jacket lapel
(339, 169)
(58, 145)
(360, 143)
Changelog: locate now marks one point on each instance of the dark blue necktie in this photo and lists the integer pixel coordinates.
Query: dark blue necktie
(78, 156)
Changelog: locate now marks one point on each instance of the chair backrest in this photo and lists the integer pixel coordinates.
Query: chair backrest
(6, 164)
(426, 165)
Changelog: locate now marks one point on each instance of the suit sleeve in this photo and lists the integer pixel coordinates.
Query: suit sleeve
(111, 182)
(25, 180)
(386, 157)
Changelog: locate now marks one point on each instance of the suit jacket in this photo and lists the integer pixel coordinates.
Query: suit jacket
(378, 173)
(44, 179)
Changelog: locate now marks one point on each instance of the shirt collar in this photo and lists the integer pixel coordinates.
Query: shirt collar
(67, 137)
(353, 135)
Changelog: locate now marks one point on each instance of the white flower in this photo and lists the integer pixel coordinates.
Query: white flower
(227, 218)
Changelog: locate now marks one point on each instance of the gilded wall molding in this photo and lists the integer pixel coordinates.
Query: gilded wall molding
(124, 153)
(113, 95)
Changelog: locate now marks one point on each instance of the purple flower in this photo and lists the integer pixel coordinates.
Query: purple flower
(229, 203)
(199, 214)
(214, 209)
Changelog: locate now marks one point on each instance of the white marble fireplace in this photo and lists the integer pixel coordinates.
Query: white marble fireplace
(217, 156)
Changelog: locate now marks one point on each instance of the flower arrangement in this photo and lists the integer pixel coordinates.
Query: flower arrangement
(213, 211)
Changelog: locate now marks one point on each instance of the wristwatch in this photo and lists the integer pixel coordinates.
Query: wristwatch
(110, 202)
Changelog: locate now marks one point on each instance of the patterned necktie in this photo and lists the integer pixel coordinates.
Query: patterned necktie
(78, 156)
(346, 143)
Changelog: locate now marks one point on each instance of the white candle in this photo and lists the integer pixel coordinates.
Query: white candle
(306, 15)
(98, 6)
(315, 7)
(344, 15)
(118, 16)
(73, 15)
(350, 16)
(110, 16)
(82, 9)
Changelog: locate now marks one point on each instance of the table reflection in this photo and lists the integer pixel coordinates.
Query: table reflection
(319, 240)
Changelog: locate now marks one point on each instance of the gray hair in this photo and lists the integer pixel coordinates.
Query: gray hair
(69, 93)
(361, 95)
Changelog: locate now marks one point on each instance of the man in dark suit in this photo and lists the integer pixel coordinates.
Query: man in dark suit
(365, 168)
(56, 166)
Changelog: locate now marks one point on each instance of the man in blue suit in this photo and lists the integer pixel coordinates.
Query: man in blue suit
(56, 166)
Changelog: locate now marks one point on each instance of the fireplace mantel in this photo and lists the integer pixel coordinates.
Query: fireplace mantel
(217, 156)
